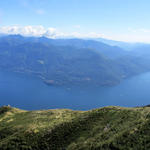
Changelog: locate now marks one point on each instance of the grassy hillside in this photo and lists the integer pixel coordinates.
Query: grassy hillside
(108, 128)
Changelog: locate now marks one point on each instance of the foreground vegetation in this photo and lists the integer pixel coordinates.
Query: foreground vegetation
(108, 128)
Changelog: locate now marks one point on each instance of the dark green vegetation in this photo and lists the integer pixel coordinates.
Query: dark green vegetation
(108, 128)
(69, 61)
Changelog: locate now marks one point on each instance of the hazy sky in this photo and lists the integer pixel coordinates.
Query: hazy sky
(127, 20)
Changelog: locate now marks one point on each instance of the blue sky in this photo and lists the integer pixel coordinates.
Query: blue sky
(125, 20)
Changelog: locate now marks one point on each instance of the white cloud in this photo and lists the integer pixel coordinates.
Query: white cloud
(48, 32)
(86, 35)
(138, 35)
(30, 31)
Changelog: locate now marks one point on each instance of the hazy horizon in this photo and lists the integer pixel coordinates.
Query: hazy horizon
(116, 20)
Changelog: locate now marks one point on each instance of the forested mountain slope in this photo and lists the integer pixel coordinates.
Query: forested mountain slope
(68, 61)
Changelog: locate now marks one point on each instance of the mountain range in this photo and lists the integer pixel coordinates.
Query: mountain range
(71, 61)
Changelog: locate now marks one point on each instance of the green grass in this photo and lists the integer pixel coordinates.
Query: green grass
(108, 128)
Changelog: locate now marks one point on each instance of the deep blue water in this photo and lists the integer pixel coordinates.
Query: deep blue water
(30, 93)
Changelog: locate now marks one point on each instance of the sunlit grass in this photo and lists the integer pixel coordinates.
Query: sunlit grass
(104, 128)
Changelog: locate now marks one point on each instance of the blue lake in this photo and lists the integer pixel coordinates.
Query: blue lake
(30, 93)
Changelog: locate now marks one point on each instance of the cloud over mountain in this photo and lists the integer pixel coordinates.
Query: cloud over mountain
(47, 32)
(30, 31)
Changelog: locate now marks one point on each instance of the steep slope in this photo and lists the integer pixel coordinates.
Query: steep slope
(142, 50)
(59, 65)
(105, 128)
(69, 61)
(104, 49)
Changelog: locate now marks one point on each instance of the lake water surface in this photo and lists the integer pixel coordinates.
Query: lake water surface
(30, 93)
